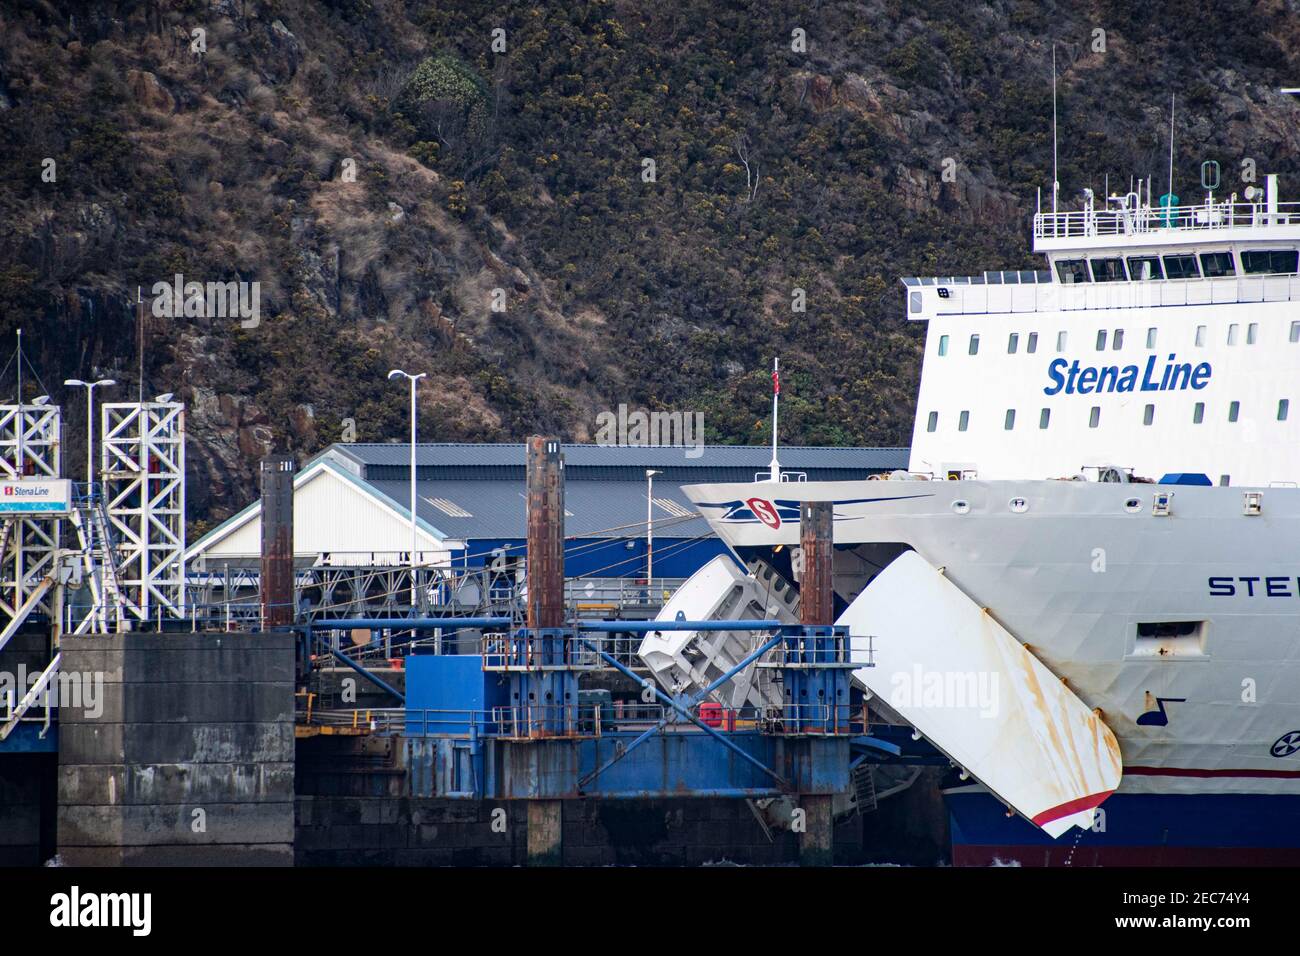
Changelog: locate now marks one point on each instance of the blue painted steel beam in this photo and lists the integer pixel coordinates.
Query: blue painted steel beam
(367, 675)
(645, 627)
(609, 659)
(409, 623)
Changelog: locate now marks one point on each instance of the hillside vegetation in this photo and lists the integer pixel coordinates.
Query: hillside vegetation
(640, 189)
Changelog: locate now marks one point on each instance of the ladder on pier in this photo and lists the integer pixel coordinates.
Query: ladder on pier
(91, 522)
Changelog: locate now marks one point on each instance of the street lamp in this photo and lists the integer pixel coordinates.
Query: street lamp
(90, 425)
(649, 525)
(398, 373)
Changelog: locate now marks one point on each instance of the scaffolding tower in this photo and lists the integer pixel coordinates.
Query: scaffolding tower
(30, 440)
(142, 469)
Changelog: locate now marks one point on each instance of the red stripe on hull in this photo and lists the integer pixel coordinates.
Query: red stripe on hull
(1137, 856)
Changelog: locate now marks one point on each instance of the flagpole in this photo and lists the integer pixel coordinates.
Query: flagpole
(776, 393)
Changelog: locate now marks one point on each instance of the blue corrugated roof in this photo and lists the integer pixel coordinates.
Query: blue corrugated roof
(713, 463)
(595, 509)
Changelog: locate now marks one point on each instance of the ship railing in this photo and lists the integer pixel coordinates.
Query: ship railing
(978, 299)
(1085, 223)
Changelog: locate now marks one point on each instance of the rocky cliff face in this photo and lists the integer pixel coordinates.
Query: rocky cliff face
(557, 208)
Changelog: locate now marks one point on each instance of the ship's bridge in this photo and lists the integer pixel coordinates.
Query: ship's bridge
(1135, 255)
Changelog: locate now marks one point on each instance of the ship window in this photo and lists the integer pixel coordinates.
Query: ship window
(914, 301)
(1283, 407)
(1234, 411)
(943, 345)
(1031, 344)
(1117, 340)
(1094, 417)
(1200, 335)
(1013, 342)
(933, 422)
(1108, 270)
(1198, 413)
(1215, 264)
(1145, 267)
(1232, 334)
(962, 421)
(1181, 267)
(1169, 639)
(1101, 340)
(1062, 337)
(1269, 262)
(1148, 415)
(1252, 333)
(1044, 418)
(974, 347)
(1151, 338)
(1072, 270)
(1295, 331)
(1010, 422)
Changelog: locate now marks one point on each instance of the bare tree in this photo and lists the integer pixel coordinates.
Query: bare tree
(751, 173)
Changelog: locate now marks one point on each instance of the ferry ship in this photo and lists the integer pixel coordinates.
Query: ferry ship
(1102, 488)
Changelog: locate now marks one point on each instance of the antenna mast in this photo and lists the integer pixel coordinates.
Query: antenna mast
(1056, 183)
(139, 336)
(1171, 148)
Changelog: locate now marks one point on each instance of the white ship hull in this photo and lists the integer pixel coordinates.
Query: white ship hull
(1207, 706)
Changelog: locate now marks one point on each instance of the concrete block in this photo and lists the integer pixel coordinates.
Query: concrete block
(159, 825)
(143, 784)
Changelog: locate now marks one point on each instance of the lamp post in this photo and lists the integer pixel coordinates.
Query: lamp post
(398, 373)
(90, 425)
(649, 525)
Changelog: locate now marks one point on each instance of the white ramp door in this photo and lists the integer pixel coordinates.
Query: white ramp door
(973, 690)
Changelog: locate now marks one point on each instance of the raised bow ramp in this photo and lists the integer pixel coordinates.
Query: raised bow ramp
(961, 679)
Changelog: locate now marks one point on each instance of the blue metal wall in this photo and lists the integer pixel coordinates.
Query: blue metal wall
(608, 558)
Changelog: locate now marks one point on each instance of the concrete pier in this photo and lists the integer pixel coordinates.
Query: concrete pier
(186, 757)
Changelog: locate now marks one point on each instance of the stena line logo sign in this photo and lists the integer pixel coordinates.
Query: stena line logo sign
(1170, 376)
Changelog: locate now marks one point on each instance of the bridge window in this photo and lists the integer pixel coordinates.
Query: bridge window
(1072, 270)
(1031, 344)
(1269, 262)
(1108, 270)
(1145, 267)
(962, 421)
(1094, 416)
(1283, 408)
(1044, 418)
(1214, 264)
(1117, 340)
(1181, 267)
(1295, 331)
(1010, 422)
(1198, 413)
(1151, 338)
(943, 345)
(1234, 410)
(1252, 333)
(1232, 334)
(1148, 415)
(933, 422)
(1101, 340)
(974, 347)
(1200, 335)
(1013, 342)
(1062, 338)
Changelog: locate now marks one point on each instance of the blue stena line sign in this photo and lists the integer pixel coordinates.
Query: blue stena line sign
(1073, 379)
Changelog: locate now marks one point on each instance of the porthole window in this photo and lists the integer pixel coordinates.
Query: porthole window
(1018, 505)
(1133, 505)
(961, 506)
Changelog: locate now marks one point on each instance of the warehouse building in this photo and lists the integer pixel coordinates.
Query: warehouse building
(351, 505)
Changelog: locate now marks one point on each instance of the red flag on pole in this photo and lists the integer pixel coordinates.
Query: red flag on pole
(776, 382)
